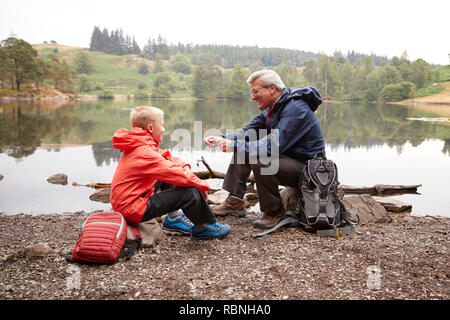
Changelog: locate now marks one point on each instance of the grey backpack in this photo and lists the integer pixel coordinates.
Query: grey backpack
(319, 209)
(319, 206)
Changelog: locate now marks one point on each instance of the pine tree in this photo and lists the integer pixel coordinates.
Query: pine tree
(135, 47)
(96, 40)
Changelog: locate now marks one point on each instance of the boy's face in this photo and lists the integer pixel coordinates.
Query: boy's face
(156, 129)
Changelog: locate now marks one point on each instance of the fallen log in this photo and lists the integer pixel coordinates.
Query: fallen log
(381, 189)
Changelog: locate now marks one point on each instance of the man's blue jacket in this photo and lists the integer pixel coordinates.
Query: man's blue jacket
(290, 125)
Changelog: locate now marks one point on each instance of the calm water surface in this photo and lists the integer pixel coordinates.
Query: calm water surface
(372, 144)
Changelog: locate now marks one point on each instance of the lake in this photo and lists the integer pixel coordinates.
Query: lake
(371, 144)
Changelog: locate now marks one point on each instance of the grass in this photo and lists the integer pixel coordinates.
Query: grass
(119, 74)
(444, 73)
(430, 90)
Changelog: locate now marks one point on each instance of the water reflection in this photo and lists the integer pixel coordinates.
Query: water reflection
(371, 144)
(28, 125)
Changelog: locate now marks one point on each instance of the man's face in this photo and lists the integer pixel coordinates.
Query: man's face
(156, 129)
(262, 95)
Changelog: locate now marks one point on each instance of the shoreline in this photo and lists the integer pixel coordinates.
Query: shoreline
(410, 253)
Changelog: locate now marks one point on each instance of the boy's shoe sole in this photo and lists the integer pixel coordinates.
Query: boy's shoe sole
(208, 237)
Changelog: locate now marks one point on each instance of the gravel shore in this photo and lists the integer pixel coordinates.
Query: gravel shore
(407, 258)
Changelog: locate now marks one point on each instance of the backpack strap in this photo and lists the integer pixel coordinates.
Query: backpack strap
(132, 249)
(289, 218)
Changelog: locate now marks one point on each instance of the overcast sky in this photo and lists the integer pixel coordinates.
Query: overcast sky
(382, 27)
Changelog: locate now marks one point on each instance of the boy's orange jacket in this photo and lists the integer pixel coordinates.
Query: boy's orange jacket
(141, 165)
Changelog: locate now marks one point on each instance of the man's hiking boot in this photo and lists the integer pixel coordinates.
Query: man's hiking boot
(211, 231)
(269, 220)
(180, 225)
(231, 206)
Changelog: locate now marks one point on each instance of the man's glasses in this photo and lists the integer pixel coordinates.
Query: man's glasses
(255, 92)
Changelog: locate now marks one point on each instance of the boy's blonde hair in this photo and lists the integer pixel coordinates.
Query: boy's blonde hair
(142, 116)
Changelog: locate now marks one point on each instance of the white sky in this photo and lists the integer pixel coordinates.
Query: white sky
(382, 27)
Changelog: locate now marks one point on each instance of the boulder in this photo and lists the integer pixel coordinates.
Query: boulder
(101, 195)
(367, 208)
(363, 205)
(290, 196)
(217, 197)
(38, 250)
(59, 178)
(394, 205)
(1, 177)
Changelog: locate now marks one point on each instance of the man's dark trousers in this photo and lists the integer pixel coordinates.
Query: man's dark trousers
(288, 174)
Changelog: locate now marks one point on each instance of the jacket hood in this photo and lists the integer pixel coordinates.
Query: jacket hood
(309, 94)
(124, 139)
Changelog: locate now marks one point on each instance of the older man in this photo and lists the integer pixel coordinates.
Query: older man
(286, 132)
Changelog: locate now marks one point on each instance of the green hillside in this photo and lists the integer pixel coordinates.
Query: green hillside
(197, 73)
(117, 74)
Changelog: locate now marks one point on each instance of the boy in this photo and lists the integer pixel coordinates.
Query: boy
(144, 168)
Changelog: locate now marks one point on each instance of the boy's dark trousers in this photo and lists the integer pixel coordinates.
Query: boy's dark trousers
(171, 198)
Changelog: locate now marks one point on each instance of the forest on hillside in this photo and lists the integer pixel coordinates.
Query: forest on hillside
(352, 76)
(212, 71)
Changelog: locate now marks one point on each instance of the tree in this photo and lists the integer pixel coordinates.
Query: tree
(181, 64)
(84, 83)
(6, 66)
(398, 91)
(41, 71)
(59, 74)
(421, 71)
(161, 79)
(159, 65)
(82, 63)
(96, 40)
(238, 88)
(142, 68)
(207, 79)
(287, 73)
(389, 75)
(310, 71)
(368, 65)
(327, 78)
(23, 57)
(135, 47)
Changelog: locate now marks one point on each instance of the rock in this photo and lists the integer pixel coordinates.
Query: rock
(59, 178)
(101, 195)
(393, 205)
(290, 196)
(217, 197)
(366, 208)
(38, 250)
(1, 177)
(251, 196)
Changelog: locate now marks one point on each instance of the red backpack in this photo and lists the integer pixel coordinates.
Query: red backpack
(102, 238)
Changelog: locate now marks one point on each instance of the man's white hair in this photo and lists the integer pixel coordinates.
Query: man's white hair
(142, 116)
(267, 78)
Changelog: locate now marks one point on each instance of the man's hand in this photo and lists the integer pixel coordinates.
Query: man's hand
(222, 143)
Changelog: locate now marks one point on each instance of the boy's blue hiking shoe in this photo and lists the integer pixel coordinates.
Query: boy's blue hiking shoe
(211, 231)
(181, 225)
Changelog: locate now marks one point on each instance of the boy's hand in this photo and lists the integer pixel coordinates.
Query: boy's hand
(205, 195)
